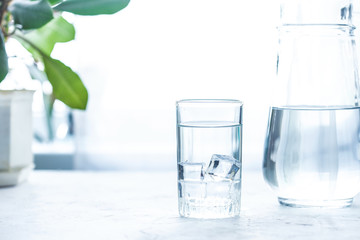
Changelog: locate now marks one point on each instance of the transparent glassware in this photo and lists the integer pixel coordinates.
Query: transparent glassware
(312, 146)
(209, 137)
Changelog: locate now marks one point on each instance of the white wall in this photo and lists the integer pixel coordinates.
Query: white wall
(138, 62)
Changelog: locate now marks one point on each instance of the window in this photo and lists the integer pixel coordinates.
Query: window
(138, 62)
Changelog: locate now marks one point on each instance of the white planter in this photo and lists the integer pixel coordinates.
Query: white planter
(16, 135)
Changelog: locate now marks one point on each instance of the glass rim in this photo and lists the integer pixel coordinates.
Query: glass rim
(209, 101)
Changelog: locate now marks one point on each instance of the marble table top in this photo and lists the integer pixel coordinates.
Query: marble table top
(143, 205)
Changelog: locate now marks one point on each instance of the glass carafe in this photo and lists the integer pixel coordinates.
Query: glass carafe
(312, 147)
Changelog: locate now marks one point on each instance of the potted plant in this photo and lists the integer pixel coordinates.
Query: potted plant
(37, 25)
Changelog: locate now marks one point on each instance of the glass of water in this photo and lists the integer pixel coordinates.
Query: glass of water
(209, 139)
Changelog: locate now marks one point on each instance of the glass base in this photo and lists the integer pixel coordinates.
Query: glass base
(300, 203)
(207, 210)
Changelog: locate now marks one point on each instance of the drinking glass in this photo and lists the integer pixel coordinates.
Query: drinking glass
(209, 139)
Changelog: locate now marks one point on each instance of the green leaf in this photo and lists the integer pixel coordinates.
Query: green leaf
(53, 2)
(57, 30)
(44, 38)
(3, 58)
(28, 45)
(67, 85)
(31, 14)
(92, 7)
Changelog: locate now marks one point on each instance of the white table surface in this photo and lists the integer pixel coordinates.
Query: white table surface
(128, 205)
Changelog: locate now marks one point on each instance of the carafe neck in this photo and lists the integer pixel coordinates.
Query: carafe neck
(317, 61)
(318, 12)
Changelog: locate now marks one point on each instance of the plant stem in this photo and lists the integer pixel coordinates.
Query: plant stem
(19, 36)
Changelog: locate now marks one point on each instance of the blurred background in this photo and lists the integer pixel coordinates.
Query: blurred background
(137, 63)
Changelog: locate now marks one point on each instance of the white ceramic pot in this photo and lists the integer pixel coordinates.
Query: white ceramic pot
(16, 135)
